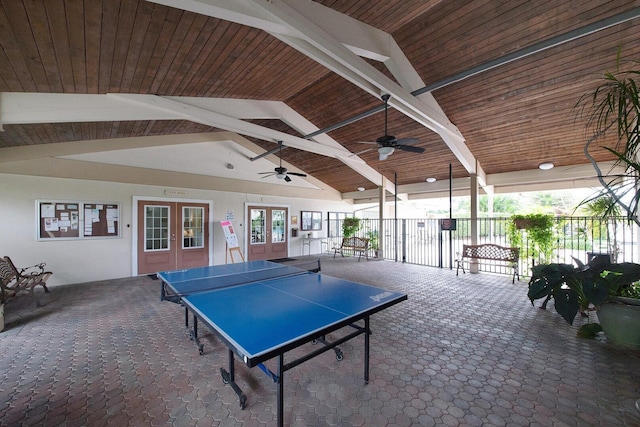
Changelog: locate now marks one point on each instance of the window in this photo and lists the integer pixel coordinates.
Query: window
(193, 227)
(277, 226)
(258, 226)
(335, 222)
(156, 228)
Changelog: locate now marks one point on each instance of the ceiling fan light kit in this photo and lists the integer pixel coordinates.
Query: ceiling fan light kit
(281, 172)
(385, 152)
(388, 143)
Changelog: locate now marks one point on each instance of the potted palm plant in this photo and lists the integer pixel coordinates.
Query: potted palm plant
(613, 114)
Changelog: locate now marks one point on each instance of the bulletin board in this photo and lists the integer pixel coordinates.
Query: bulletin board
(65, 220)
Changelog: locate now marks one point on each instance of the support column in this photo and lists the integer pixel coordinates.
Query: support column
(473, 184)
(382, 199)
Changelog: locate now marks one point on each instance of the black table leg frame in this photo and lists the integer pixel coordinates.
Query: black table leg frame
(229, 378)
(193, 334)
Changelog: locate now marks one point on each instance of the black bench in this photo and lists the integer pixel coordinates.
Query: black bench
(14, 281)
(488, 251)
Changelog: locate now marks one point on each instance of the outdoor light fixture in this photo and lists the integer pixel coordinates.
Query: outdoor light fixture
(280, 175)
(431, 179)
(546, 166)
(360, 188)
(385, 152)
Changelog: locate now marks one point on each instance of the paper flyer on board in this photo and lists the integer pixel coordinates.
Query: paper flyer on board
(229, 234)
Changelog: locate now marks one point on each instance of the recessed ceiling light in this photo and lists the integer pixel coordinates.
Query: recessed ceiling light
(360, 188)
(431, 179)
(546, 166)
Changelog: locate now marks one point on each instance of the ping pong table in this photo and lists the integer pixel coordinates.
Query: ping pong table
(262, 310)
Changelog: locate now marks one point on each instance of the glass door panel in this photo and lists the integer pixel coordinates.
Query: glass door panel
(258, 226)
(156, 230)
(278, 233)
(193, 227)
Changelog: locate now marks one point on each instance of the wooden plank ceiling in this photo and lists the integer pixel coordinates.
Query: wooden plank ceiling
(512, 117)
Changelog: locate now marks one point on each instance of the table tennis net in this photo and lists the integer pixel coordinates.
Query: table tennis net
(253, 276)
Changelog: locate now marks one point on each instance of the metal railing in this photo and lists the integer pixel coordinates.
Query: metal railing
(424, 242)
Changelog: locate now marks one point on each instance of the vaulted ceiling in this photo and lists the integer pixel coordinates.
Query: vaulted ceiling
(191, 93)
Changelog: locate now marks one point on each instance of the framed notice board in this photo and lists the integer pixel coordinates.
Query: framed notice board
(77, 220)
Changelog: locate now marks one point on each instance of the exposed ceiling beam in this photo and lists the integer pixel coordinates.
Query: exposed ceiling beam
(558, 178)
(503, 60)
(335, 40)
(228, 114)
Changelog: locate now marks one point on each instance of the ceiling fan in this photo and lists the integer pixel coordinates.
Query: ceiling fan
(280, 172)
(388, 143)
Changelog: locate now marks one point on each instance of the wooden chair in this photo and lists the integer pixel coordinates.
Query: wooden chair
(14, 280)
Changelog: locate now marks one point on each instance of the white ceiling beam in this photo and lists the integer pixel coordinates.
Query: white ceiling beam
(558, 178)
(296, 15)
(303, 23)
(24, 108)
(29, 108)
(200, 115)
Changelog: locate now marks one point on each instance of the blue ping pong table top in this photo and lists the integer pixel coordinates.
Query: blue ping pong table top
(176, 276)
(200, 279)
(259, 318)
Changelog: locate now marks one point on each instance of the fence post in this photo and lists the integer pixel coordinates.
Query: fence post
(404, 240)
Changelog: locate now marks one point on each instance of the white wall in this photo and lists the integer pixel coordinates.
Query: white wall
(78, 261)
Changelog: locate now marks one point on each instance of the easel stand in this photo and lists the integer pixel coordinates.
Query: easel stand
(230, 252)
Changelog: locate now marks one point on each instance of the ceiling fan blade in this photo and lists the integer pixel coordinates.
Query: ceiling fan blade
(296, 174)
(287, 179)
(367, 142)
(268, 174)
(410, 148)
(264, 173)
(407, 141)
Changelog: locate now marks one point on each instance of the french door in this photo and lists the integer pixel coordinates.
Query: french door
(172, 236)
(267, 232)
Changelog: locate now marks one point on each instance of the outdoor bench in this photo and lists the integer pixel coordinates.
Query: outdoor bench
(358, 245)
(14, 281)
(505, 256)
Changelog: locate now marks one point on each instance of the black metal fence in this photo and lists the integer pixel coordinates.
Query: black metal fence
(429, 242)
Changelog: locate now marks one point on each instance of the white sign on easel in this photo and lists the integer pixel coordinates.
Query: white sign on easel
(229, 234)
(232, 240)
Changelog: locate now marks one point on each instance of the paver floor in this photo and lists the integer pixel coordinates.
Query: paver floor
(462, 351)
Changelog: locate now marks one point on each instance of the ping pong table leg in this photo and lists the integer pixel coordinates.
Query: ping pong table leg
(229, 378)
(280, 391)
(366, 350)
(194, 333)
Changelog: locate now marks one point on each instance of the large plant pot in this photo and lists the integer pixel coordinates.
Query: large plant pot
(620, 321)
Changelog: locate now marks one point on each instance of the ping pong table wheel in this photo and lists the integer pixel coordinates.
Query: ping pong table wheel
(201, 349)
(339, 355)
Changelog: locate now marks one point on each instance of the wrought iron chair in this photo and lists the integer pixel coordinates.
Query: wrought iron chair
(14, 280)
